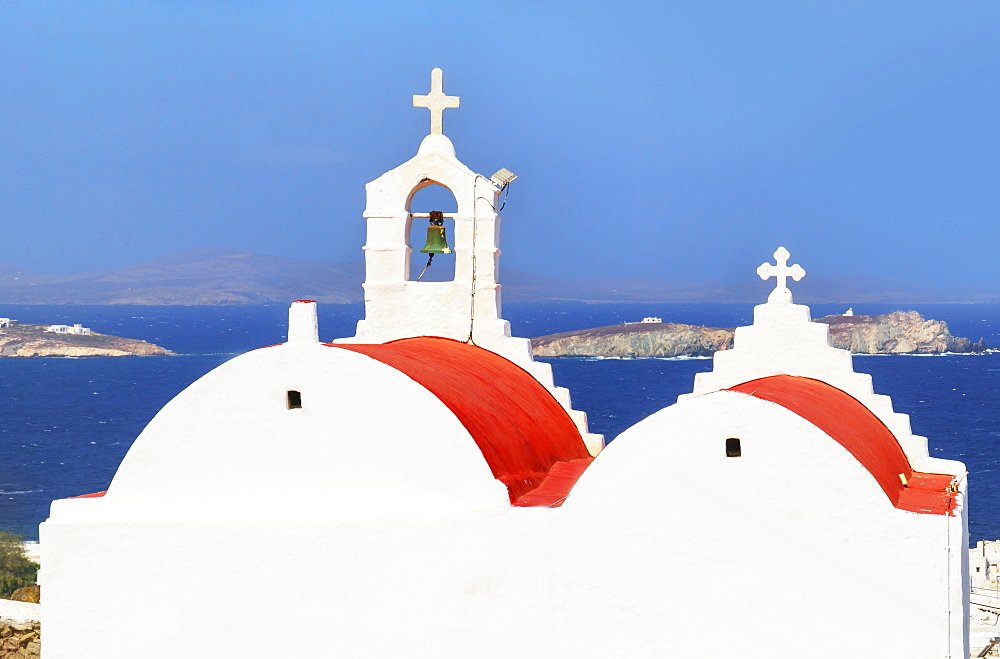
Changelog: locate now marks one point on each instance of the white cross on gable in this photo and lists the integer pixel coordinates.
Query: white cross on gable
(781, 272)
(436, 102)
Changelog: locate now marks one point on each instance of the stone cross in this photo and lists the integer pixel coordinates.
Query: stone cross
(781, 272)
(436, 102)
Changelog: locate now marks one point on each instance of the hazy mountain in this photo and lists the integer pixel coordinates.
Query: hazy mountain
(225, 277)
(200, 277)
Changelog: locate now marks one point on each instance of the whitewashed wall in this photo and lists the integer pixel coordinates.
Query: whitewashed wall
(792, 549)
(665, 548)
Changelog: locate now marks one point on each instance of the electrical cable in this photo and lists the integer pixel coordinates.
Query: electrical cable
(506, 192)
(475, 232)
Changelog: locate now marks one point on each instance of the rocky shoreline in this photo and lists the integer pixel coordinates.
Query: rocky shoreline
(900, 332)
(896, 333)
(26, 340)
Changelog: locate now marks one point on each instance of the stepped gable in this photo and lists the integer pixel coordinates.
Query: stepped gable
(787, 359)
(783, 340)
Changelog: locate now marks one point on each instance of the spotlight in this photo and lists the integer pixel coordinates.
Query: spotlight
(503, 177)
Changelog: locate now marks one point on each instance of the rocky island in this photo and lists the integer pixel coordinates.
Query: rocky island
(26, 340)
(900, 332)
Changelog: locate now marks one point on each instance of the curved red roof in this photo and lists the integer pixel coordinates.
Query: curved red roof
(93, 495)
(529, 441)
(857, 429)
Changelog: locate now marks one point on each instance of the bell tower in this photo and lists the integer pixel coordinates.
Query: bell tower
(467, 308)
(396, 305)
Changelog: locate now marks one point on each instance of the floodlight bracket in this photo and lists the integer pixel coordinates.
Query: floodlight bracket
(503, 177)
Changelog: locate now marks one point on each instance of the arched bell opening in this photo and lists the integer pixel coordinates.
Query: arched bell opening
(424, 233)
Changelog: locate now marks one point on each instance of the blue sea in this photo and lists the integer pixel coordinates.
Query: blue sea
(68, 422)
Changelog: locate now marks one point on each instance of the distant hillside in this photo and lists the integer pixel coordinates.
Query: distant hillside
(194, 278)
(900, 332)
(215, 277)
(24, 340)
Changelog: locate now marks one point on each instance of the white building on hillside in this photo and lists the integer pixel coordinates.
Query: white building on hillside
(69, 329)
(427, 473)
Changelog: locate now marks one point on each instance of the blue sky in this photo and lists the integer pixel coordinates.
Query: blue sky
(664, 139)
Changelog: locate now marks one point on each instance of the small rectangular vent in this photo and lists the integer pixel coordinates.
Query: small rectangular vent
(294, 400)
(733, 449)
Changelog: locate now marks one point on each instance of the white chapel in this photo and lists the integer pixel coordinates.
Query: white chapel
(424, 489)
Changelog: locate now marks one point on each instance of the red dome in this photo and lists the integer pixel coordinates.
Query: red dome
(529, 441)
(857, 429)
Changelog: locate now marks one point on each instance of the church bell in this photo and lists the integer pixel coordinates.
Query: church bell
(437, 241)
